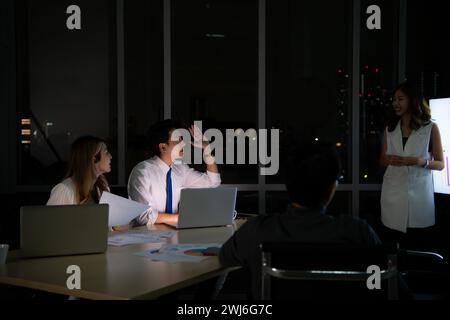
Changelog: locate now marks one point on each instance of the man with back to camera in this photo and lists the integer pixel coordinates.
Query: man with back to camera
(158, 181)
(312, 177)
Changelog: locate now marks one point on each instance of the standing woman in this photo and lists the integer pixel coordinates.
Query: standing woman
(412, 148)
(85, 182)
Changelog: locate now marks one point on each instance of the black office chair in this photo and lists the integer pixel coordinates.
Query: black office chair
(425, 273)
(306, 271)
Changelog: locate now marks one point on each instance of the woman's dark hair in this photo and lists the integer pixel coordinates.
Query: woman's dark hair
(420, 111)
(159, 133)
(312, 168)
(81, 168)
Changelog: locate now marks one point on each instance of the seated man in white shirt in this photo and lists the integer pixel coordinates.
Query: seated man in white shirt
(158, 181)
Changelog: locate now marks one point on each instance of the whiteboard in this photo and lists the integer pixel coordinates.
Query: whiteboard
(440, 113)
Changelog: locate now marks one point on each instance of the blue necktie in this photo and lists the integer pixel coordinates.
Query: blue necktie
(169, 191)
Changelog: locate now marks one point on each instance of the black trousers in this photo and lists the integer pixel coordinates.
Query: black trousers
(423, 239)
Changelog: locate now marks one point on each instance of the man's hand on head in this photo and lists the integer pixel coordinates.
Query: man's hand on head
(200, 141)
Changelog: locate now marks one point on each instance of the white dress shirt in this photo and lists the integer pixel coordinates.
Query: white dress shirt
(147, 185)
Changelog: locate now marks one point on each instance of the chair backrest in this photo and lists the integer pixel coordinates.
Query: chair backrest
(425, 273)
(341, 270)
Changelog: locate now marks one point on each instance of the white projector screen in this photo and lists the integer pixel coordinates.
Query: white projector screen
(440, 113)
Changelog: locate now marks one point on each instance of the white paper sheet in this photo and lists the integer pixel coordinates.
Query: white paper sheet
(138, 237)
(122, 210)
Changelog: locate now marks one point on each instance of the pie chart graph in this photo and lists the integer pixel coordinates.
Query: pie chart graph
(200, 252)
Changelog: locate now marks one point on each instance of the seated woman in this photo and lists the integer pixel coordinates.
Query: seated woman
(85, 182)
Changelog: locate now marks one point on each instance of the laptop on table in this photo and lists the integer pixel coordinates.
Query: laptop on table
(206, 207)
(63, 230)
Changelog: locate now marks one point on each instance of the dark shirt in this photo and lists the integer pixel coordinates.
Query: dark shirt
(296, 225)
(404, 140)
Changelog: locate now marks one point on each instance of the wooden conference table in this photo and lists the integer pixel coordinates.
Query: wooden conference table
(118, 274)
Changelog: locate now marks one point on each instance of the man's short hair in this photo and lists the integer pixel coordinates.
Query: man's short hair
(159, 132)
(311, 169)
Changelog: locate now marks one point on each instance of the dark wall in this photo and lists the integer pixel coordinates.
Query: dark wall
(66, 82)
(427, 53)
(7, 94)
(7, 109)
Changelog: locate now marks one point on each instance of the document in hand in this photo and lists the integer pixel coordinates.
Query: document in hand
(122, 210)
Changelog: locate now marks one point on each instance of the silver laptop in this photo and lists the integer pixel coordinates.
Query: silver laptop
(63, 230)
(206, 207)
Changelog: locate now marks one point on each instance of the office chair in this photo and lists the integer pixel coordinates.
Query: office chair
(426, 274)
(326, 271)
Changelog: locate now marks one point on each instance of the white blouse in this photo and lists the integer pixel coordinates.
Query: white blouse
(63, 193)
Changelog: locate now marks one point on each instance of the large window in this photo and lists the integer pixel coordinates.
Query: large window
(143, 35)
(66, 86)
(379, 73)
(427, 62)
(370, 209)
(215, 70)
(308, 74)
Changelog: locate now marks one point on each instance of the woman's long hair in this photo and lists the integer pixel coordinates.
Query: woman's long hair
(81, 168)
(420, 111)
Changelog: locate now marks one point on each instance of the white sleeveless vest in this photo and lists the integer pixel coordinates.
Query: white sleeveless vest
(407, 194)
